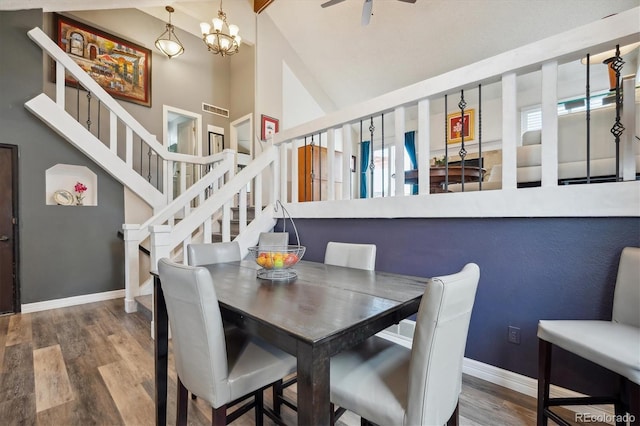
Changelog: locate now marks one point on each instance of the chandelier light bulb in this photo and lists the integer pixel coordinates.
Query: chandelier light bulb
(205, 28)
(217, 24)
(221, 38)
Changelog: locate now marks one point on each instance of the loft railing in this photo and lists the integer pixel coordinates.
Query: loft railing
(492, 89)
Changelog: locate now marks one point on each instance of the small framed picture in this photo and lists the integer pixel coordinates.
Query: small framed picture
(268, 126)
(459, 126)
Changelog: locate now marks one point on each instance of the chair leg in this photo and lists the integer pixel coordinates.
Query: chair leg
(544, 377)
(219, 416)
(278, 391)
(259, 406)
(634, 404)
(182, 404)
(454, 420)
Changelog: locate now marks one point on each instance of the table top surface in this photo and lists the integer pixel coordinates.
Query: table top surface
(322, 302)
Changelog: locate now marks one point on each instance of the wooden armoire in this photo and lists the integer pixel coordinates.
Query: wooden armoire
(312, 173)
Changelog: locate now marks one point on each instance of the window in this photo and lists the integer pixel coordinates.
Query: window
(531, 117)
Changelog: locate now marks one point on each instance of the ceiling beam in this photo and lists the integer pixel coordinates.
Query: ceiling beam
(260, 5)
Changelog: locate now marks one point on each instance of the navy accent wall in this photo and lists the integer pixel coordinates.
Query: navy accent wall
(530, 269)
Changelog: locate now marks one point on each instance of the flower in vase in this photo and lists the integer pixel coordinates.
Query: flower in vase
(79, 189)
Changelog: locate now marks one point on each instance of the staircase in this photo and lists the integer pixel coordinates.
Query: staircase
(219, 195)
(234, 230)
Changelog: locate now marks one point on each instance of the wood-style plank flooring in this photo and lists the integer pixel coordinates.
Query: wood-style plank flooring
(93, 365)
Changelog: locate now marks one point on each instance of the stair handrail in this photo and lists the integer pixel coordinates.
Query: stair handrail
(165, 239)
(65, 62)
(183, 229)
(226, 166)
(135, 234)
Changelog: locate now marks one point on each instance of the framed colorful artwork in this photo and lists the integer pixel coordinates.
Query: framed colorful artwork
(121, 67)
(458, 126)
(268, 127)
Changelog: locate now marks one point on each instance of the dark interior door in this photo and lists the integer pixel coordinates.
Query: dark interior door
(8, 289)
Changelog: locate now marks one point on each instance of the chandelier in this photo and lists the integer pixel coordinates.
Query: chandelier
(165, 43)
(216, 39)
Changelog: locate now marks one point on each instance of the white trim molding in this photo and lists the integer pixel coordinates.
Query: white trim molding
(71, 301)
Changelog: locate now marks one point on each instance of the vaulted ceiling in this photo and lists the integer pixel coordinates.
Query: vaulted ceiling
(403, 43)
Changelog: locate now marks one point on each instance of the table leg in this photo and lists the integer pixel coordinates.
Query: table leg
(313, 386)
(161, 339)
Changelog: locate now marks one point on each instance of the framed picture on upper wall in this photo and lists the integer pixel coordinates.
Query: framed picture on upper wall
(458, 126)
(121, 67)
(268, 127)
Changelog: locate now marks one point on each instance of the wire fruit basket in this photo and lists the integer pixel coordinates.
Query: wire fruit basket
(276, 261)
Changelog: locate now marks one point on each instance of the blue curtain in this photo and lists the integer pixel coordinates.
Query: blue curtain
(410, 146)
(364, 166)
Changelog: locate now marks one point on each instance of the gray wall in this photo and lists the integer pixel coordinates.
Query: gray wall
(530, 269)
(64, 251)
(243, 87)
(184, 82)
(74, 251)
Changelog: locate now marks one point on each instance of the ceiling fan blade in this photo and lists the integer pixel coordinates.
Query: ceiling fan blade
(331, 3)
(408, 1)
(366, 12)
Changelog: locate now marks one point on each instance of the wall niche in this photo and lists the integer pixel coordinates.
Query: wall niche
(61, 180)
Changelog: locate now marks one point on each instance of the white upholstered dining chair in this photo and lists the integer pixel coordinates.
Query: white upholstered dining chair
(388, 384)
(210, 253)
(280, 239)
(359, 256)
(614, 345)
(222, 367)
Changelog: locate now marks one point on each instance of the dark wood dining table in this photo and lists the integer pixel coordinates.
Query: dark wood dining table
(438, 175)
(325, 310)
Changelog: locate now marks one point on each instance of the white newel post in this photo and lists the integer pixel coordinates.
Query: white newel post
(160, 247)
(131, 266)
(160, 244)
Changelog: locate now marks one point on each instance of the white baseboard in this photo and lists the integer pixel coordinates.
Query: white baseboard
(403, 334)
(71, 301)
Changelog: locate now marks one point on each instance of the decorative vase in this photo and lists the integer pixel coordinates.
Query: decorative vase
(79, 200)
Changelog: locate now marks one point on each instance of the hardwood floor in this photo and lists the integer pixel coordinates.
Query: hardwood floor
(93, 365)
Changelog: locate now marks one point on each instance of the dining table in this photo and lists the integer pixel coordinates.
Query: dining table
(320, 312)
(440, 176)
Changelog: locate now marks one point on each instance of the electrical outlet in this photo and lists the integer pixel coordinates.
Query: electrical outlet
(514, 335)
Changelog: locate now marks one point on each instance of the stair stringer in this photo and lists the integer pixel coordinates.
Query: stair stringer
(66, 126)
